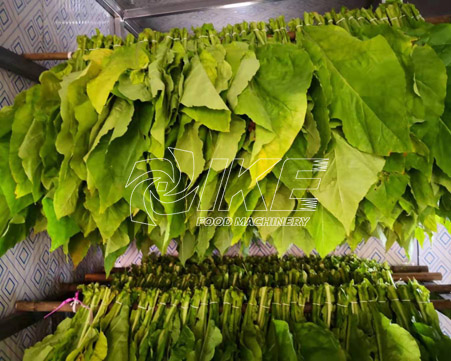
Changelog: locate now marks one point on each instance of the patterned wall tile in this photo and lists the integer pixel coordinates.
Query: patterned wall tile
(45, 26)
(437, 254)
(29, 271)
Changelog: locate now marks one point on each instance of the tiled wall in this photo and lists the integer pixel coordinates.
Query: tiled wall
(29, 271)
(37, 26)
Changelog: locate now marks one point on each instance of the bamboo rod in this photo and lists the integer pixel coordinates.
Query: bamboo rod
(46, 306)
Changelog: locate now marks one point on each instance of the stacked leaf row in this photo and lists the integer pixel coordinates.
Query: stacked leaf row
(88, 153)
(374, 319)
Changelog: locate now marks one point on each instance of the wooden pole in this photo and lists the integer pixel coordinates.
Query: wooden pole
(47, 56)
(42, 306)
(97, 277)
(419, 276)
(409, 268)
(439, 19)
(436, 288)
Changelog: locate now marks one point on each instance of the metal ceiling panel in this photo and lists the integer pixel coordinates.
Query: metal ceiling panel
(163, 15)
(220, 17)
(180, 7)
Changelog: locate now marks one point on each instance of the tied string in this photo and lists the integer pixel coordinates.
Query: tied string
(73, 301)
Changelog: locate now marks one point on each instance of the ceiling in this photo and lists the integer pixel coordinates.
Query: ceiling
(163, 15)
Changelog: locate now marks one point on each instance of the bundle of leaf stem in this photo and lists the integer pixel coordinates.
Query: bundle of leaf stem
(133, 139)
(166, 272)
(360, 322)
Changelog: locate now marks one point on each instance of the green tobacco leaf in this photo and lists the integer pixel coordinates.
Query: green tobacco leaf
(101, 348)
(125, 57)
(373, 115)
(60, 230)
(279, 342)
(188, 152)
(208, 109)
(222, 239)
(110, 220)
(204, 236)
(325, 230)
(133, 86)
(347, 180)
(226, 145)
(30, 147)
(212, 339)
(241, 215)
(276, 101)
(430, 80)
(78, 248)
(436, 133)
(284, 237)
(186, 247)
(422, 190)
(7, 183)
(219, 71)
(317, 343)
(66, 193)
(112, 161)
(360, 345)
(197, 83)
(42, 349)
(23, 118)
(183, 346)
(117, 334)
(294, 161)
(5, 215)
(111, 259)
(119, 240)
(118, 120)
(211, 118)
(167, 185)
(395, 343)
(387, 193)
(13, 234)
(246, 70)
(437, 345)
(278, 205)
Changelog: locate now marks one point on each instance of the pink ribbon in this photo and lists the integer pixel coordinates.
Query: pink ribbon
(74, 301)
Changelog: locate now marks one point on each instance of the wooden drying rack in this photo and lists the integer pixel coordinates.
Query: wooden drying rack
(28, 313)
(67, 55)
(400, 273)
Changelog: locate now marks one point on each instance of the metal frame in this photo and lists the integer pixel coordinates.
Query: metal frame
(159, 9)
(113, 8)
(126, 16)
(16, 322)
(19, 65)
